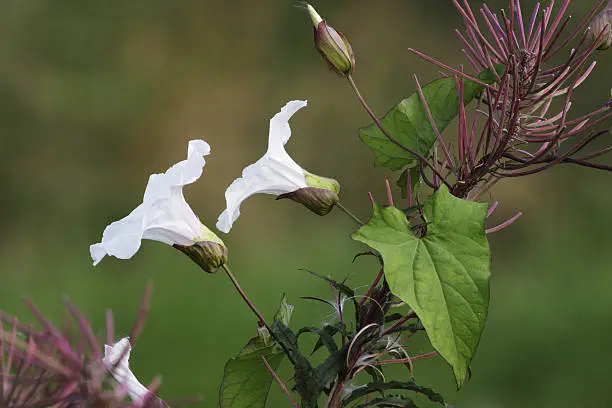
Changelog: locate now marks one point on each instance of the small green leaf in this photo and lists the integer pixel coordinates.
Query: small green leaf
(408, 123)
(444, 276)
(246, 380)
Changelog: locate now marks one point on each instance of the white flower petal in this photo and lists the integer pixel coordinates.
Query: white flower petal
(122, 373)
(280, 132)
(172, 221)
(121, 238)
(275, 173)
(163, 216)
(182, 173)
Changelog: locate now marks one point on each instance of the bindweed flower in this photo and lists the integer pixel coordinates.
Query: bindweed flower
(67, 367)
(332, 45)
(602, 22)
(120, 369)
(278, 174)
(165, 216)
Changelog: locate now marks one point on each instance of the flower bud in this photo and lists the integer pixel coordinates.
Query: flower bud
(319, 197)
(264, 335)
(332, 45)
(207, 254)
(601, 22)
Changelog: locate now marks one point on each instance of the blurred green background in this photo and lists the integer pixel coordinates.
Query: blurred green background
(95, 96)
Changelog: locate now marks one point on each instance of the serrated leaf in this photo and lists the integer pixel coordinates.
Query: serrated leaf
(444, 276)
(408, 123)
(326, 335)
(392, 385)
(309, 381)
(395, 401)
(246, 380)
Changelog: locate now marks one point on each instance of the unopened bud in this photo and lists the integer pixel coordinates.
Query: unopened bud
(601, 22)
(207, 254)
(332, 45)
(319, 197)
(264, 335)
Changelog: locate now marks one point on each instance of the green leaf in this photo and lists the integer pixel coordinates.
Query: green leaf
(326, 335)
(392, 385)
(340, 287)
(443, 276)
(408, 123)
(389, 401)
(402, 181)
(309, 382)
(246, 380)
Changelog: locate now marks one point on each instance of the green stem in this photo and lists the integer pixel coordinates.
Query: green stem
(246, 299)
(350, 214)
(262, 320)
(335, 397)
(280, 382)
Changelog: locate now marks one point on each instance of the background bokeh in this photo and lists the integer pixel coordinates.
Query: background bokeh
(95, 96)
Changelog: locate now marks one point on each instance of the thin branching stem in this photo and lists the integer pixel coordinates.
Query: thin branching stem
(280, 382)
(386, 133)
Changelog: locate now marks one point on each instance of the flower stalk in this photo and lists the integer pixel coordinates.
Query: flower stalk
(243, 295)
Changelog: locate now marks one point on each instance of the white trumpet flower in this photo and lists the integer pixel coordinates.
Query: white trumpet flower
(278, 174)
(121, 371)
(163, 216)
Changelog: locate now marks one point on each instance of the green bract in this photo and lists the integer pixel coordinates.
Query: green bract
(312, 180)
(443, 276)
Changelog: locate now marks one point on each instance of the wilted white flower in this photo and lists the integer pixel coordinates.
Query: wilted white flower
(121, 372)
(164, 215)
(278, 174)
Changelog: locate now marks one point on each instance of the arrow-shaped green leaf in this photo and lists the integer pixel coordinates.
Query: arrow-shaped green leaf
(443, 276)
